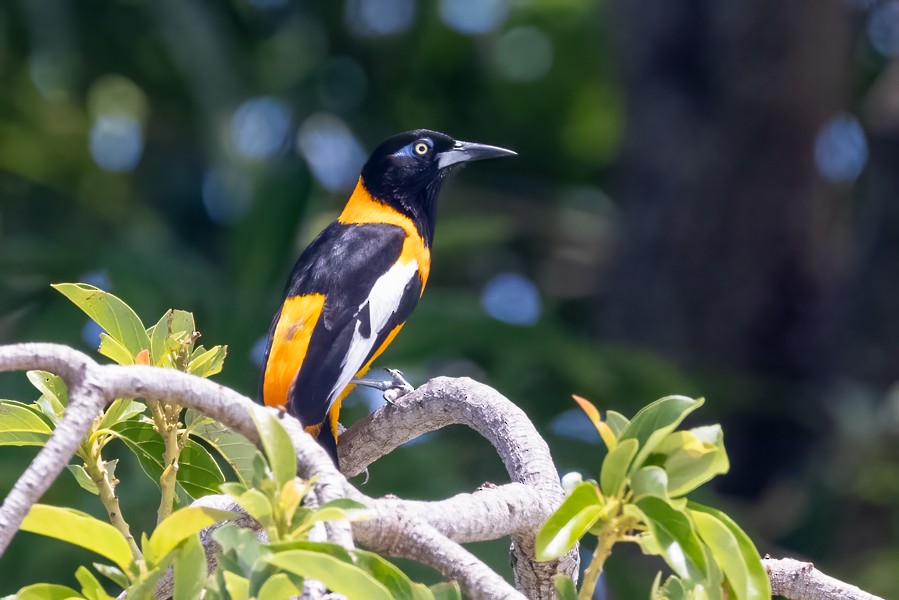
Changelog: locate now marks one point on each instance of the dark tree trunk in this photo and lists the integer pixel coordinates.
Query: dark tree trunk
(726, 255)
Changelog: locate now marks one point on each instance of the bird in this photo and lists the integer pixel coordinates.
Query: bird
(352, 289)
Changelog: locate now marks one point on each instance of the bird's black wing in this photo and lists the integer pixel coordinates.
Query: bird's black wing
(350, 283)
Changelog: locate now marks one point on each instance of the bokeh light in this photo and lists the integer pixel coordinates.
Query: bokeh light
(574, 424)
(90, 334)
(841, 149)
(524, 54)
(116, 142)
(260, 127)
(473, 17)
(883, 28)
(257, 351)
(379, 17)
(333, 153)
(511, 298)
(227, 194)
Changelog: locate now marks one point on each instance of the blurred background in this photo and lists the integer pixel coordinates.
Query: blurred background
(704, 203)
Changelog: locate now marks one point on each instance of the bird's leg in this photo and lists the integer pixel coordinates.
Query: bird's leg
(394, 388)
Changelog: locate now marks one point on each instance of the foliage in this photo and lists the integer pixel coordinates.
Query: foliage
(179, 451)
(640, 497)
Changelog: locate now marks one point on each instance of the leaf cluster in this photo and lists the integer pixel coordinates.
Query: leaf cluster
(182, 449)
(641, 498)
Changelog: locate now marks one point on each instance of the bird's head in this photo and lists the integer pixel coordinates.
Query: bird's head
(406, 170)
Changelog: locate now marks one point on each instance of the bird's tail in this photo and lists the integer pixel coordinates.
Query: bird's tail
(328, 441)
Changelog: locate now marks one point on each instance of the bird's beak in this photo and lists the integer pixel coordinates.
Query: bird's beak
(468, 151)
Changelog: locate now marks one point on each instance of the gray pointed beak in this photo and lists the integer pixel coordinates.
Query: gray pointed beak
(468, 151)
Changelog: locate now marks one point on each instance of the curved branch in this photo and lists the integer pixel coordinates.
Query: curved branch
(400, 535)
(102, 384)
(428, 532)
(444, 401)
(799, 580)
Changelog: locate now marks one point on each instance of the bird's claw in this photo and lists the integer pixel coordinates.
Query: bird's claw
(394, 388)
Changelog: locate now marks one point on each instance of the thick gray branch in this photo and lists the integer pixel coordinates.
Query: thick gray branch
(444, 401)
(232, 409)
(429, 532)
(799, 580)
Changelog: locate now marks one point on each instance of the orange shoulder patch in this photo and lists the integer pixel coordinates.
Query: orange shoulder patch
(289, 345)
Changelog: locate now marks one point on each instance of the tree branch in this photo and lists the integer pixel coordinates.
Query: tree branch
(428, 532)
(233, 410)
(444, 401)
(799, 580)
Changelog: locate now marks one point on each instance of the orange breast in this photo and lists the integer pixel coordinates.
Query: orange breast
(289, 345)
(362, 207)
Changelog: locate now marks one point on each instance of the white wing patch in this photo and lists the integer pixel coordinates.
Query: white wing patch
(383, 300)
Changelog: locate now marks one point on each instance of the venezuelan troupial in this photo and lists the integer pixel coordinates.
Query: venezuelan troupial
(356, 284)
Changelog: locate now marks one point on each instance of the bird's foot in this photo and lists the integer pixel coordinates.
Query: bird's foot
(394, 388)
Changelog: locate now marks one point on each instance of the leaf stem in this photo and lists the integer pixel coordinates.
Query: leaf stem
(607, 537)
(96, 469)
(165, 417)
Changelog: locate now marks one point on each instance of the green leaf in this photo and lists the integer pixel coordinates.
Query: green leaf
(674, 534)
(238, 587)
(615, 467)
(79, 529)
(171, 332)
(673, 589)
(240, 548)
(180, 525)
(339, 509)
(208, 362)
(654, 422)
(50, 385)
(278, 587)
(144, 587)
(338, 576)
(53, 390)
(650, 481)
(617, 422)
(693, 457)
(113, 574)
(90, 586)
(190, 569)
(565, 589)
(338, 552)
(396, 582)
(83, 479)
(121, 410)
(447, 590)
(578, 512)
(110, 313)
(20, 426)
(234, 448)
(279, 449)
(114, 350)
(198, 473)
(757, 584)
(46, 591)
(257, 506)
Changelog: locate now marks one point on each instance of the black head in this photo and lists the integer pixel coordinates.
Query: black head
(407, 170)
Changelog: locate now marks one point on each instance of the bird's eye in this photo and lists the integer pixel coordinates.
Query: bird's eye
(421, 148)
